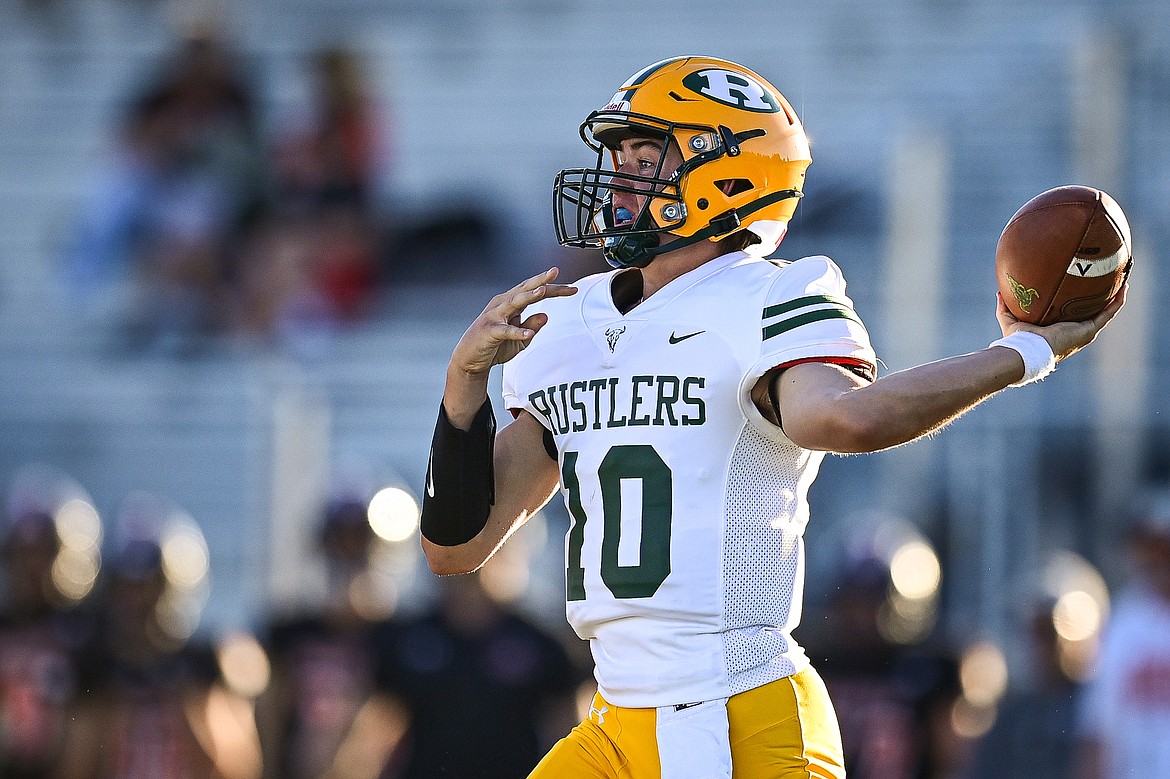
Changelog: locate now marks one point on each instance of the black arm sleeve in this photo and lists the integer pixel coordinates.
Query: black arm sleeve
(460, 479)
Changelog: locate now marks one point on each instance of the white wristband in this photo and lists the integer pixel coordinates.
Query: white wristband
(1039, 361)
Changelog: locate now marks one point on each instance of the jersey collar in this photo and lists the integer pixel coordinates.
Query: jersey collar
(674, 287)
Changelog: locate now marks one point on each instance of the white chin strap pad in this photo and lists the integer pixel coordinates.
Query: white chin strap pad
(770, 232)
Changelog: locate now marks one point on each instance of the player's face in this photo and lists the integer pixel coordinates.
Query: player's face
(641, 157)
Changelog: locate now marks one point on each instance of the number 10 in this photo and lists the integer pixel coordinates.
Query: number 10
(624, 581)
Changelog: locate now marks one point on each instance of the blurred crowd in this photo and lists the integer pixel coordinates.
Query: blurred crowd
(104, 673)
(203, 223)
(218, 214)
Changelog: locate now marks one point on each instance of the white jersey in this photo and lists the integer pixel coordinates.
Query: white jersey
(685, 559)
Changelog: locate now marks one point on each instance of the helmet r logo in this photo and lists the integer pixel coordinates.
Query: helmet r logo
(733, 89)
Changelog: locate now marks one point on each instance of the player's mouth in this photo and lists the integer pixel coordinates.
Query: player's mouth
(622, 216)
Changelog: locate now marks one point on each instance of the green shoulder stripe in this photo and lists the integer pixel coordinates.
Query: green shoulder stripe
(807, 318)
(808, 300)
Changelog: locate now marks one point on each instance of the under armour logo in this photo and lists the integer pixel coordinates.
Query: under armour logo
(600, 714)
(612, 335)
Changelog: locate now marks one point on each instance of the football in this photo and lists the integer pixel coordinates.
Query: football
(1063, 255)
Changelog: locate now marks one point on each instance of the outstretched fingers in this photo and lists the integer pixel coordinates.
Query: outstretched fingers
(520, 333)
(1096, 324)
(532, 324)
(503, 331)
(514, 301)
(500, 332)
(1068, 338)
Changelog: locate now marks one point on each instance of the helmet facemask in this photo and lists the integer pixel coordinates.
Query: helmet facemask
(583, 197)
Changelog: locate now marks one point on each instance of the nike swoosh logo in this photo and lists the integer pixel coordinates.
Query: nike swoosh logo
(430, 478)
(674, 339)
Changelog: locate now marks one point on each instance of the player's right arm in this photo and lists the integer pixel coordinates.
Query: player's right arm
(525, 478)
(482, 486)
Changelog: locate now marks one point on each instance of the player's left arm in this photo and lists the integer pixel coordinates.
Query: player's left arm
(826, 407)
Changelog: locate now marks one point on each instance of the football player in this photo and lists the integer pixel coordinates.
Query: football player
(682, 404)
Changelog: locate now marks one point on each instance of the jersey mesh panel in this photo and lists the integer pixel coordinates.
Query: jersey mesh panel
(762, 555)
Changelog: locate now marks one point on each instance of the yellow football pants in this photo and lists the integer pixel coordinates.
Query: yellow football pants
(783, 730)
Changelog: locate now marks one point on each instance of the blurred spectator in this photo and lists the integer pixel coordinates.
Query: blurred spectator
(311, 264)
(42, 639)
(158, 707)
(187, 177)
(1125, 716)
(947, 719)
(1034, 731)
(487, 691)
(332, 154)
(893, 697)
(300, 277)
(323, 715)
(200, 226)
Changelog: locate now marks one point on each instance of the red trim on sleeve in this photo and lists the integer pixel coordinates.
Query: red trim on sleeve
(848, 362)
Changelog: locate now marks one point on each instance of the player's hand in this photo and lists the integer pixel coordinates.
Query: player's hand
(499, 333)
(1065, 338)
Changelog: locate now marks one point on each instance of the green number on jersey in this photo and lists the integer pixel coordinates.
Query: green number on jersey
(630, 462)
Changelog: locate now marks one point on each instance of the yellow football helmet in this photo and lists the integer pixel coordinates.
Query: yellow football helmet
(744, 157)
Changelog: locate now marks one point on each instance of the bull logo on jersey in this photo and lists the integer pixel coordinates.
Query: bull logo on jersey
(737, 90)
(612, 335)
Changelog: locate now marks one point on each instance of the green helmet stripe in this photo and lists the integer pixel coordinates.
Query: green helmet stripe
(638, 80)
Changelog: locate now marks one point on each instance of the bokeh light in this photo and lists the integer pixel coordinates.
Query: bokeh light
(244, 664)
(1080, 608)
(915, 571)
(75, 573)
(910, 610)
(393, 514)
(79, 529)
(78, 525)
(373, 594)
(970, 721)
(184, 556)
(1076, 616)
(507, 575)
(983, 674)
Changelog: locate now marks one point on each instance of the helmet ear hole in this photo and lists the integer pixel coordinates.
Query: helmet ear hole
(732, 187)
